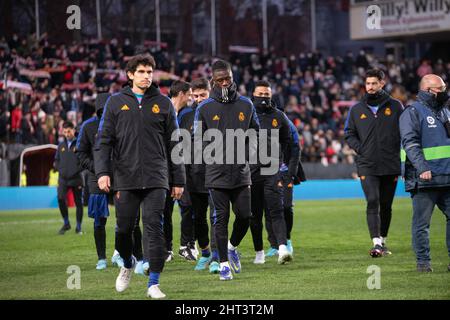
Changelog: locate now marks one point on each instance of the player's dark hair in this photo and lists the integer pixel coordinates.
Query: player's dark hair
(201, 83)
(140, 59)
(262, 83)
(374, 73)
(221, 65)
(179, 86)
(68, 124)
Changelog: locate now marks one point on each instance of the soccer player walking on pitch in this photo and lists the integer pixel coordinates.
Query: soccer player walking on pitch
(68, 166)
(98, 200)
(195, 184)
(227, 183)
(267, 190)
(137, 125)
(372, 130)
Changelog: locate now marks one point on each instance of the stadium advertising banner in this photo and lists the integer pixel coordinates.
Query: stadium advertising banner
(382, 19)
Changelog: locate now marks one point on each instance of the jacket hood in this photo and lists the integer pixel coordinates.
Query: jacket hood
(100, 101)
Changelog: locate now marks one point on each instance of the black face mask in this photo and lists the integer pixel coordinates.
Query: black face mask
(441, 98)
(261, 102)
(374, 97)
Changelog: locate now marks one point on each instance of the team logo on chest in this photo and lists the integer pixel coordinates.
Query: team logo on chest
(216, 118)
(430, 120)
(274, 123)
(125, 108)
(388, 111)
(241, 116)
(155, 108)
(363, 116)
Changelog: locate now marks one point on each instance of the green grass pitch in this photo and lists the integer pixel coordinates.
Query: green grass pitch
(331, 245)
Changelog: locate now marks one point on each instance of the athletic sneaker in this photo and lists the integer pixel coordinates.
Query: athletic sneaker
(186, 253)
(78, 231)
(146, 268)
(202, 263)
(376, 251)
(385, 249)
(284, 255)
(139, 269)
(155, 293)
(194, 250)
(101, 264)
(233, 258)
(64, 228)
(117, 260)
(214, 267)
(225, 273)
(424, 267)
(124, 278)
(259, 258)
(289, 247)
(272, 252)
(169, 256)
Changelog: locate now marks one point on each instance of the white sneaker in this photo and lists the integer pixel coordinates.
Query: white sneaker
(170, 256)
(260, 257)
(195, 251)
(124, 278)
(284, 255)
(155, 293)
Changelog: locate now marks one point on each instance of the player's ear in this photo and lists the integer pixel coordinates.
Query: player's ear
(130, 75)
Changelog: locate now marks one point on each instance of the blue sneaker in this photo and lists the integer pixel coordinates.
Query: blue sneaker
(235, 263)
(202, 262)
(289, 247)
(225, 274)
(117, 260)
(214, 267)
(146, 268)
(101, 264)
(272, 252)
(139, 269)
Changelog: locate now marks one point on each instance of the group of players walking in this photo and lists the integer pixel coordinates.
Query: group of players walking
(127, 148)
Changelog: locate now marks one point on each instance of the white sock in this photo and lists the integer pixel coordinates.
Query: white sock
(230, 246)
(224, 264)
(115, 252)
(376, 241)
(282, 248)
(383, 240)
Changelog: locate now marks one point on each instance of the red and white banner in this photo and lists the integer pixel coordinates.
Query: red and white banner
(159, 75)
(79, 86)
(243, 49)
(22, 86)
(35, 73)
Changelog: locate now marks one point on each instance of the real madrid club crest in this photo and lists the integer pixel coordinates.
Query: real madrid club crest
(241, 116)
(155, 108)
(274, 123)
(387, 112)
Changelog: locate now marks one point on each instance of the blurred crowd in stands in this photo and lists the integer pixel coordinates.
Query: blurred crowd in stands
(47, 84)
